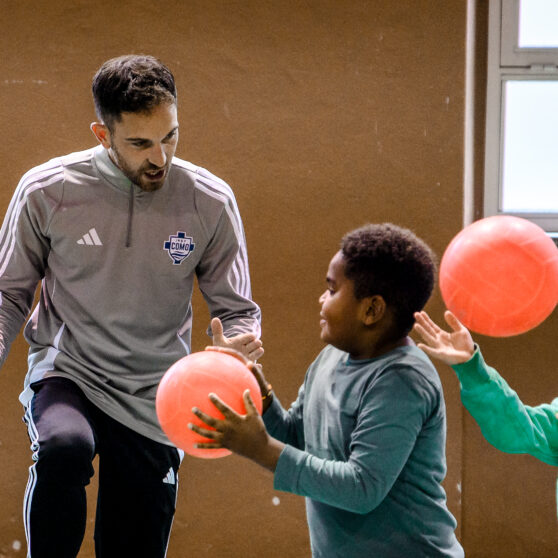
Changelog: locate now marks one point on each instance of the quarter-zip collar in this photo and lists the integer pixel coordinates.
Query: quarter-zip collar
(112, 174)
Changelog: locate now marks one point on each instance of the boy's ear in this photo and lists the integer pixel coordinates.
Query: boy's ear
(373, 309)
(101, 133)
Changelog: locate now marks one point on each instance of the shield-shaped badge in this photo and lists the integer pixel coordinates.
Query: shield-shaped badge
(179, 247)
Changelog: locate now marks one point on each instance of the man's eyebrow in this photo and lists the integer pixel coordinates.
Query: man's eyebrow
(136, 139)
(174, 130)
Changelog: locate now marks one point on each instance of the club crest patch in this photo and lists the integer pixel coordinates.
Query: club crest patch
(179, 246)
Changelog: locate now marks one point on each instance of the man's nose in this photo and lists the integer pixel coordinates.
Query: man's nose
(157, 156)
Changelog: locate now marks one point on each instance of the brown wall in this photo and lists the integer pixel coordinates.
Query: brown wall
(322, 115)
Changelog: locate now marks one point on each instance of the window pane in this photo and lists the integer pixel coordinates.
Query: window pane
(538, 23)
(530, 160)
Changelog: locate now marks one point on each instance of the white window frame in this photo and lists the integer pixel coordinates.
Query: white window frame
(506, 61)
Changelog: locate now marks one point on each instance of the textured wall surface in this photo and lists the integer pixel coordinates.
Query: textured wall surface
(322, 116)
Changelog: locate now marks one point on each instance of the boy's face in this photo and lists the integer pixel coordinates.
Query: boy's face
(340, 321)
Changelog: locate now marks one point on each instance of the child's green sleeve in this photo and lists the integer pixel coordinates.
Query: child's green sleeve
(505, 421)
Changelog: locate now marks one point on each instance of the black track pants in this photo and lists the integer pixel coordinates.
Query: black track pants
(137, 479)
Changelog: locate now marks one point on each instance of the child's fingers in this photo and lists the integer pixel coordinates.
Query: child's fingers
(428, 350)
(222, 406)
(258, 374)
(452, 321)
(249, 403)
(208, 419)
(427, 336)
(206, 433)
(208, 445)
(427, 326)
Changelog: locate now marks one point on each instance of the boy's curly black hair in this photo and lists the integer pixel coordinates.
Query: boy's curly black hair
(387, 260)
(131, 83)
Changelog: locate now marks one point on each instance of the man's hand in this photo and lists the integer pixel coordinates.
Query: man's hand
(246, 343)
(450, 347)
(242, 434)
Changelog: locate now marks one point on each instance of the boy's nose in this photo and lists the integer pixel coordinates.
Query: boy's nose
(322, 297)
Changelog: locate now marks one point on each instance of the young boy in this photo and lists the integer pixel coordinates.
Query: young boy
(365, 439)
(505, 421)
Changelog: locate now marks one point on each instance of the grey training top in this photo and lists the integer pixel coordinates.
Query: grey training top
(117, 266)
(367, 449)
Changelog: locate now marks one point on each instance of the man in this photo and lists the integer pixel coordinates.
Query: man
(116, 235)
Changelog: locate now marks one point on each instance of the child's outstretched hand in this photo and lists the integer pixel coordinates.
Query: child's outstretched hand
(450, 347)
(242, 434)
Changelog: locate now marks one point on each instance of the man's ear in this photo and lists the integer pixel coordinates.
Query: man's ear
(102, 133)
(373, 309)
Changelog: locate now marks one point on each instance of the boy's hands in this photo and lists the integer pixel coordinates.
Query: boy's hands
(246, 343)
(256, 369)
(242, 434)
(450, 347)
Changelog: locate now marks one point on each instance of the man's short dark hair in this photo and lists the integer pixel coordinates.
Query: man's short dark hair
(131, 83)
(390, 261)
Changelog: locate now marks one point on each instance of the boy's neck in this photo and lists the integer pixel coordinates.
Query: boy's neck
(380, 347)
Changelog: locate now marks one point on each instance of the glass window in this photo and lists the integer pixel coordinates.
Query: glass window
(521, 156)
(538, 23)
(530, 159)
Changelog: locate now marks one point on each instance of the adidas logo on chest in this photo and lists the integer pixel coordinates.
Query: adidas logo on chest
(90, 238)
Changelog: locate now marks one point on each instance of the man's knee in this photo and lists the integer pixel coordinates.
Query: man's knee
(65, 457)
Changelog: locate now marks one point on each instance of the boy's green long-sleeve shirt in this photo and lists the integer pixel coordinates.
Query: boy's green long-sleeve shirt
(505, 421)
(367, 450)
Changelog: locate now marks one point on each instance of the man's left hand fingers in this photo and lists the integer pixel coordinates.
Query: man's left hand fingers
(256, 354)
